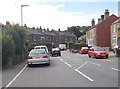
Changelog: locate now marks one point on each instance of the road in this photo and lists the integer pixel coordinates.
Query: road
(69, 70)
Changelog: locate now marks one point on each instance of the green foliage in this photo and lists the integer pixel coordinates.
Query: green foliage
(22, 33)
(31, 46)
(18, 35)
(77, 30)
(82, 40)
(7, 48)
(17, 40)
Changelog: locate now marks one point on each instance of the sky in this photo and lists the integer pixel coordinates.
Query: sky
(55, 14)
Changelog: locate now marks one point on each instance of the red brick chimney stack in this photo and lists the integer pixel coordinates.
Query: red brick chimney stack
(102, 18)
(106, 14)
(98, 20)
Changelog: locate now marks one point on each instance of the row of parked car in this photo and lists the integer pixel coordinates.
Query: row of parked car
(41, 55)
(96, 52)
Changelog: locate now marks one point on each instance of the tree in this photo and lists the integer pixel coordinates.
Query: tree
(75, 30)
(22, 33)
(17, 40)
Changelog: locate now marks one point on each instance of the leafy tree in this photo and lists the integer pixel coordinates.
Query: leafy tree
(78, 31)
(7, 48)
(75, 30)
(17, 40)
(22, 33)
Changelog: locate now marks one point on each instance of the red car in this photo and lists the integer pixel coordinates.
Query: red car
(97, 52)
(84, 50)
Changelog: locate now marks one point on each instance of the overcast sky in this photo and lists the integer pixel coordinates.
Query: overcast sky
(54, 14)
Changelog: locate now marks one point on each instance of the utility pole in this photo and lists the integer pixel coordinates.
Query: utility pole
(22, 14)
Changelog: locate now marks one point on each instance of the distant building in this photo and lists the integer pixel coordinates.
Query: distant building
(100, 34)
(43, 36)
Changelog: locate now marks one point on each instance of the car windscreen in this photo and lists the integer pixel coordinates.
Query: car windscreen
(98, 49)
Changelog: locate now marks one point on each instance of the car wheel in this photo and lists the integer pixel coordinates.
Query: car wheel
(59, 54)
(29, 65)
(106, 56)
(95, 57)
(89, 56)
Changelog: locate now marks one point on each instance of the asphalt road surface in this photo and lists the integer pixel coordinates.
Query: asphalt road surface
(69, 70)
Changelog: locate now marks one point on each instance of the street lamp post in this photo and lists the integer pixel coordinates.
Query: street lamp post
(22, 14)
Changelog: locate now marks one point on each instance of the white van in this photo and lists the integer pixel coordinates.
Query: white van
(42, 47)
(62, 46)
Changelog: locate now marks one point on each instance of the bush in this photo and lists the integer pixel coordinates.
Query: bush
(7, 48)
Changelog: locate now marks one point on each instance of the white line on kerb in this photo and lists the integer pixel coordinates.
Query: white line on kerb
(61, 59)
(115, 69)
(82, 65)
(68, 64)
(84, 75)
(16, 77)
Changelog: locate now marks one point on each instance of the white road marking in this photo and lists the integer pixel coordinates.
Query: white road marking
(84, 75)
(94, 63)
(82, 65)
(68, 64)
(61, 59)
(16, 76)
(115, 69)
(58, 57)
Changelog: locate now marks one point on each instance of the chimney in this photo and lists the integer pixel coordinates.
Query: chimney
(98, 20)
(40, 29)
(106, 14)
(48, 29)
(102, 18)
(93, 22)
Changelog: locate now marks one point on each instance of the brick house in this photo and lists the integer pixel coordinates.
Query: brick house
(100, 34)
(115, 33)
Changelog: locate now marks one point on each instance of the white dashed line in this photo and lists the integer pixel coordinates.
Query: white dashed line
(82, 65)
(115, 69)
(84, 75)
(15, 77)
(61, 59)
(94, 63)
(68, 64)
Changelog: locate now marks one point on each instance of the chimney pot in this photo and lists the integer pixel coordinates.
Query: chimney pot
(93, 22)
(98, 20)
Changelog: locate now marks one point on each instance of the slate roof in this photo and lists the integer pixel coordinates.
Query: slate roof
(117, 21)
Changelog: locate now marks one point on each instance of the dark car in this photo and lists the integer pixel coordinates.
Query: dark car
(56, 52)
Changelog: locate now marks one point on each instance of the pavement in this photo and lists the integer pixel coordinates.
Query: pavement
(111, 54)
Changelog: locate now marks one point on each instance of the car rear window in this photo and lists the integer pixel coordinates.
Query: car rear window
(37, 52)
(37, 47)
(84, 47)
(44, 48)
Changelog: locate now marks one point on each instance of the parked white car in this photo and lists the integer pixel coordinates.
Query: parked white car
(42, 47)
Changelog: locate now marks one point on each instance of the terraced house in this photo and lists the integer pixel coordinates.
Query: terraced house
(115, 33)
(43, 36)
(100, 34)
